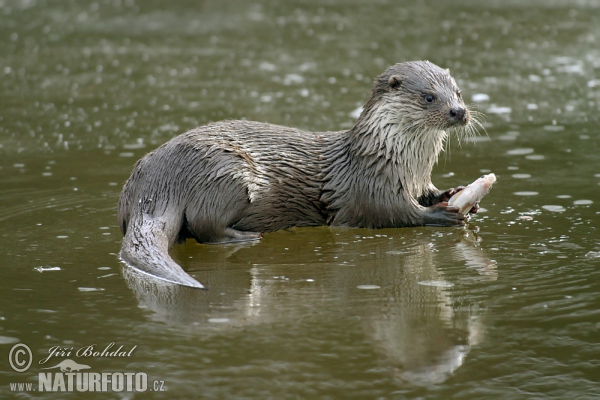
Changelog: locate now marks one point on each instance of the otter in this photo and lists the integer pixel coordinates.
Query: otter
(235, 180)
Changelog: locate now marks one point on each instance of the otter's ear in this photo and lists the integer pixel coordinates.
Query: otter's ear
(395, 81)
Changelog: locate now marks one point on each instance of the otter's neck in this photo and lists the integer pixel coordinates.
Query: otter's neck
(383, 161)
(392, 146)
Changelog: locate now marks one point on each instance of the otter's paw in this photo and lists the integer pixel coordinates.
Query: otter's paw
(231, 235)
(475, 209)
(448, 193)
(442, 214)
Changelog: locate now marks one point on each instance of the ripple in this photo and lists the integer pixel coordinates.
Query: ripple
(368, 287)
(42, 200)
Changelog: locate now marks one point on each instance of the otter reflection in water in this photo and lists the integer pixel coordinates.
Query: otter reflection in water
(235, 180)
(420, 327)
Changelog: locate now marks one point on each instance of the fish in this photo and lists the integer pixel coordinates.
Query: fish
(472, 194)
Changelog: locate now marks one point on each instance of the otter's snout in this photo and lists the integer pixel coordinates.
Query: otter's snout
(458, 115)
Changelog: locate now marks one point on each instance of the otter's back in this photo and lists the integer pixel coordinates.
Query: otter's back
(246, 175)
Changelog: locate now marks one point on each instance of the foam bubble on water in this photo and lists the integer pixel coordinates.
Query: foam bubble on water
(509, 135)
(437, 283)
(480, 97)
(44, 269)
(554, 208)
(554, 128)
(90, 289)
(521, 176)
(134, 146)
(267, 66)
(535, 157)
(356, 112)
(593, 83)
(520, 151)
(291, 79)
(395, 252)
(499, 110)
(592, 254)
(218, 320)
(8, 340)
(368, 287)
(582, 202)
(526, 193)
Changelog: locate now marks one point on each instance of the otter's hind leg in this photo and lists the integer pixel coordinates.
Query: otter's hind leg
(212, 225)
(233, 236)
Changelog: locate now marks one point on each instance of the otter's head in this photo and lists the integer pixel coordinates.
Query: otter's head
(420, 96)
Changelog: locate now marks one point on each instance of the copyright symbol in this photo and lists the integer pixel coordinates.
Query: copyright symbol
(20, 357)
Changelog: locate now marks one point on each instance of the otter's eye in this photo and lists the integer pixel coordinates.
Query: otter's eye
(429, 98)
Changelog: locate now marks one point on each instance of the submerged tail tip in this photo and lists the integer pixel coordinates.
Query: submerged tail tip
(173, 275)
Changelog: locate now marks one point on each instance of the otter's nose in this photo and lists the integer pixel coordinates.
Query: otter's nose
(458, 114)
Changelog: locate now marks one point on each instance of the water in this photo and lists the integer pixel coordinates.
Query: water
(507, 308)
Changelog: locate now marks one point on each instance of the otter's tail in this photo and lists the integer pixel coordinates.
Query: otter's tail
(146, 248)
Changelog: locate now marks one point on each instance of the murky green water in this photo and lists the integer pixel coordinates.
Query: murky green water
(507, 308)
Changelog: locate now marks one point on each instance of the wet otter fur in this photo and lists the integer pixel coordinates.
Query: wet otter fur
(234, 180)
